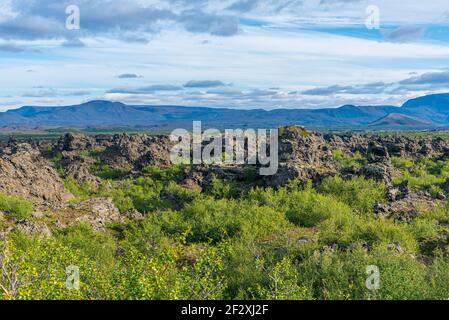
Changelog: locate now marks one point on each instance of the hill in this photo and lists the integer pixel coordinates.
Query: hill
(425, 112)
(396, 120)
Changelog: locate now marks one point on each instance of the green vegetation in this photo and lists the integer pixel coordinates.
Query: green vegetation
(436, 134)
(25, 134)
(80, 191)
(16, 207)
(95, 153)
(297, 130)
(349, 161)
(106, 172)
(294, 242)
(422, 174)
(358, 193)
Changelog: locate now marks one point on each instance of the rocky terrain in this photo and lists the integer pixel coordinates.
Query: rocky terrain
(25, 172)
(34, 170)
(115, 206)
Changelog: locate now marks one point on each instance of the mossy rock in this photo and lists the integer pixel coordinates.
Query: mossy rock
(294, 130)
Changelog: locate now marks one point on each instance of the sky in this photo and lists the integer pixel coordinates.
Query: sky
(222, 53)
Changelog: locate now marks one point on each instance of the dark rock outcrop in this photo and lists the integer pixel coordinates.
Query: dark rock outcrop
(75, 142)
(24, 172)
(136, 151)
(78, 167)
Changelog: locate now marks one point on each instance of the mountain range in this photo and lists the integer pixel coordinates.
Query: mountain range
(426, 112)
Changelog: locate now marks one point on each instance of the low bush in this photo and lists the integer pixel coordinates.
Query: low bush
(106, 172)
(349, 161)
(232, 241)
(16, 207)
(308, 208)
(359, 193)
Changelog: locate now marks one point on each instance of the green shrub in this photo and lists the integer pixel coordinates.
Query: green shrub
(359, 193)
(206, 219)
(95, 153)
(308, 208)
(349, 161)
(340, 228)
(220, 189)
(40, 269)
(211, 220)
(56, 158)
(402, 276)
(342, 275)
(142, 194)
(379, 232)
(281, 283)
(163, 174)
(145, 235)
(439, 278)
(424, 173)
(268, 197)
(97, 246)
(292, 242)
(335, 275)
(402, 163)
(424, 227)
(80, 191)
(106, 172)
(251, 174)
(348, 230)
(17, 207)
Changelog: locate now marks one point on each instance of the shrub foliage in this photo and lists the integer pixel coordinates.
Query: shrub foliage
(295, 242)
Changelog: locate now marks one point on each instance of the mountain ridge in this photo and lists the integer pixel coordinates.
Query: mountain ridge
(431, 111)
(392, 120)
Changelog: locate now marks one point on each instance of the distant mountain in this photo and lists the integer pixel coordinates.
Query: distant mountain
(11, 119)
(94, 113)
(396, 120)
(432, 108)
(425, 112)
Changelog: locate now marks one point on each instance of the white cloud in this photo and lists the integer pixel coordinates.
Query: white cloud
(274, 47)
(6, 11)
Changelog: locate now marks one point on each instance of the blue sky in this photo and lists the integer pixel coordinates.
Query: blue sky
(227, 53)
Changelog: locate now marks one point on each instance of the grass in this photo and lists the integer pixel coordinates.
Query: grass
(349, 161)
(422, 174)
(17, 207)
(108, 173)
